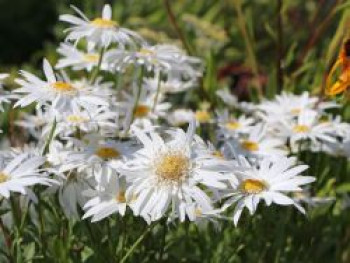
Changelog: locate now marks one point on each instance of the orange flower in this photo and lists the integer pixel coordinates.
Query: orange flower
(343, 81)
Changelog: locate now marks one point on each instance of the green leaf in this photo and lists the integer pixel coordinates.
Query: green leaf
(343, 188)
(29, 251)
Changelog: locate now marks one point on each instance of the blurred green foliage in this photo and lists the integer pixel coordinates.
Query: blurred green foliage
(239, 42)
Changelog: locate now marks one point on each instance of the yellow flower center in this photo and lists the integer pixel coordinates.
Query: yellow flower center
(250, 146)
(218, 154)
(93, 58)
(301, 128)
(76, 119)
(107, 153)
(63, 87)
(121, 197)
(141, 111)
(233, 125)
(3, 177)
(172, 167)
(253, 186)
(103, 23)
(72, 177)
(202, 116)
(198, 212)
(145, 52)
(295, 111)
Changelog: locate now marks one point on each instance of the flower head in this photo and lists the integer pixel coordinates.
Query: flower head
(102, 31)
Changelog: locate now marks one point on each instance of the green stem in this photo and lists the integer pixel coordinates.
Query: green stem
(138, 94)
(51, 136)
(98, 68)
(138, 241)
(41, 227)
(249, 45)
(8, 239)
(15, 212)
(123, 236)
(162, 248)
(174, 23)
(158, 92)
(279, 71)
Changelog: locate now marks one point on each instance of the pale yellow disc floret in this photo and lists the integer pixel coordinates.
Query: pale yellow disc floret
(93, 58)
(145, 52)
(107, 153)
(141, 111)
(250, 146)
(76, 119)
(202, 116)
(63, 87)
(253, 186)
(3, 177)
(172, 167)
(121, 197)
(295, 111)
(103, 23)
(233, 125)
(301, 128)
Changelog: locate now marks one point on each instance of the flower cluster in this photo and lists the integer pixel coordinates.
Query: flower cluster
(110, 142)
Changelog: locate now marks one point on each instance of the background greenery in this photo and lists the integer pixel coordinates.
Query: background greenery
(252, 47)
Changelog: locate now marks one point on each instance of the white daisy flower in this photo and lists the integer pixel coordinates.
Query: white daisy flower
(5, 97)
(170, 175)
(78, 60)
(258, 143)
(142, 114)
(226, 96)
(70, 190)
(180, 117)
(306, 126)
(288, 105)
(158, 58)
(201, 217)
(36, 124)
(61, 93)
(3, 76)
(231, 127)
(203, 116)
(269, 180)
(98, 154)
(305, 196)
(107, 198)
(20, 172)
(101, 119)
(101, 31)
(173, 84)
(71, 184)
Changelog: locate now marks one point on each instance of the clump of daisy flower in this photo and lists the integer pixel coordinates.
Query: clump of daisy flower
(166, 177)
(102, 31)
(268, 180)
(21, 171)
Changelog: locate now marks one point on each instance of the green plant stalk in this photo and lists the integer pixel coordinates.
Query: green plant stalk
(174, 23)
(157, 93)
(16, 249)
(138, 94)
(51, 135)
(279, 72)
(15, 211)
(249, 46)
(7, 238)
(138, 241)
(41, 227)
(39, 206)
(97, 69)
(162, 248)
